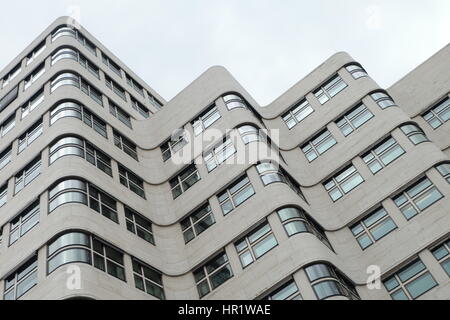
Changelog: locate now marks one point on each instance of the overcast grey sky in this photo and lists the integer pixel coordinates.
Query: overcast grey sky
(267, 45)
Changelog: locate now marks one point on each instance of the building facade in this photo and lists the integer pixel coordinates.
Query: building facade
(93, 205)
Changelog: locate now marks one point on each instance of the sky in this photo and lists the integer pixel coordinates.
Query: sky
(268, 45)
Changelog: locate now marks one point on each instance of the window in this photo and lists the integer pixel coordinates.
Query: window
(22, 280)
(11, 75)
(33, 103)
(414, 134)
(72, 79)
(34, 76)
(354, 119)
(173, 146)
(234, 101)
(444, 170)
(36, 52)
(343, 183)
(23, 223)
(298, 113)
(140, 226)
(383, 154)
(250, 134)
(373, 227)
(197, 222)
(256, 244)
(118, 113)
(139, 107)
(158, 105)
(383, 99)
(27, 175)
(356, 71)
(34, 132)
(79, 191)
(328, 282)
(296, 221)
(235, 195)
(318, 145)
(330, 89)
(78, 247)
(68, 53)
(213, 274)
(136, 86)
(442, 255)
(411, 282)
(184, 181)
(8, 124)
(116, 88)
(219, 154)
(439, 114)
(417, 198)
(288, 291)
(206, 120)
(3, 194)
(131, 181)
(5, 157)
(148, 280)
(271, 173)
(111, 64)
(72, 32)
(74, 146)
(125, 145)
(75, 110)
(9, 98)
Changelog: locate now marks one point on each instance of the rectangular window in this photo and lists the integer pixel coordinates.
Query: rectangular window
(417, 198)
(5, 157)
(330, 89)
(197, 222)
(373, 227)
(9, 98)
(36, 52)
(356, 71)
(383, 100)
(235, 195)
(118, 113)
(27, 175)
(136, 86)
(139, 107)
(116, 88)
(439, 114)
(94, 122)
(442, 255)
(414, 134)
(34, 132)
(103, 203)
(383, 154)
(8, 125)
(184, 181)
(140, 226)
(219, 154)
(158, 105)
(111, 64)
(3, 194)
(206, 120)
(148, 280)
(131, 181)
(297, 114)
(22, 280)
(125, 145)
(213, 274)
(343, 183)
(91, 92)
(86, 43)
(288, 291)
(92, 68)
(256, 244)
(171, 147)
(410, 282)
(11, 75)
(108, 259)
(34, 76)
(354, 119)
(444, 170)
(23, 223)
(33, 103)
(318, 145)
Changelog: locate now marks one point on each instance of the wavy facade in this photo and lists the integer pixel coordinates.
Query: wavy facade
(88, 186)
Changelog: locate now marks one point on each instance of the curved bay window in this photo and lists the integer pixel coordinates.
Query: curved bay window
(73, 79)
(233, 101)
(414, 134)
(250, 133)
(328, 282)
(296, 221)
(72, 54)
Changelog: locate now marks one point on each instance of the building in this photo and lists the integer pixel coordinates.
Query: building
(93, 207)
